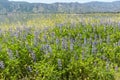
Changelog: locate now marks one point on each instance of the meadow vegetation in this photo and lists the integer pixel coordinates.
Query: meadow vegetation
(60, 47)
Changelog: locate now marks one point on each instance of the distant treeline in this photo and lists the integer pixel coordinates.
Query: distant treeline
(70, 8)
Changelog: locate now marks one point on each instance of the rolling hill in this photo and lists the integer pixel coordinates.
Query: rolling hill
(25, 7)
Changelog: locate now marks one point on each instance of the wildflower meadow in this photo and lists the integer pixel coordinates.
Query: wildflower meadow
(60, 46)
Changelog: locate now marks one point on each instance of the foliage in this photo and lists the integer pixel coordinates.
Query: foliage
(74, 47)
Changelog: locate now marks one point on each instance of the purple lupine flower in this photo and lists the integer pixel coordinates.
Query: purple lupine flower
(10, 30)
(119, 43)
(94, 43)
(57, 41)
(18, 29)
(17, 54)
(93, 28)
(60, 27)
(83, 24)
(45, 37)
(59, 64)
(90, 41)
(10, 53)
(83, 45)
(2, 66)
(15, 34)
(35, 41)
(95, 37)
(103, 57)
(36, 34)
(93, 25)
(64, 44)
(71, 44)
(80, 35)
(0, 30)
(119, 25)
(76, 56)
(94, 49)
(29, 68)
(24, 36)
(53, 35)
(108, 39)
(109, 22)
(85, 41)
(45, 29)
(42, 47)
(99, 36)
(116, 68)
(46, 52)
(33, 56)
(48, 48)
(115, 44)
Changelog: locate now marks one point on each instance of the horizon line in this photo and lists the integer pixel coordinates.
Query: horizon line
(66, 2)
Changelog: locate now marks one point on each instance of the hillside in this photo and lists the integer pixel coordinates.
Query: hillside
(25, 7)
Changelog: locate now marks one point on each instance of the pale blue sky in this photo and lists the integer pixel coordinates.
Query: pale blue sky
(52, 1)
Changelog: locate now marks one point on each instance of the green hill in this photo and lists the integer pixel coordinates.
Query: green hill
(25, 7)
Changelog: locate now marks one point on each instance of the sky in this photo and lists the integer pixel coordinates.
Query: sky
(53, 1)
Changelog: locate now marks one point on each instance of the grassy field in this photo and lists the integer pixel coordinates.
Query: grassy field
(60, 47)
